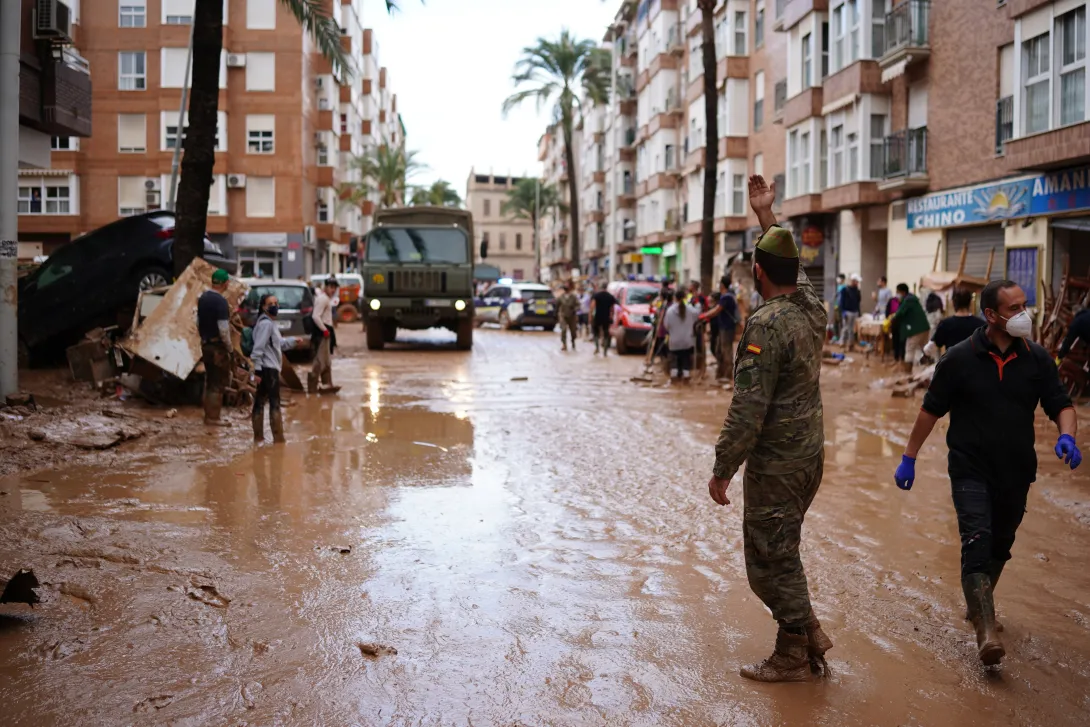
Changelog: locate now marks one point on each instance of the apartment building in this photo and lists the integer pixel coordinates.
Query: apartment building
(554, 226)
(510, 240)
(288, 131)
(54, 102)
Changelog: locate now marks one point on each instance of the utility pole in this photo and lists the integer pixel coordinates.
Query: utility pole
(10, 27)
(176, 159)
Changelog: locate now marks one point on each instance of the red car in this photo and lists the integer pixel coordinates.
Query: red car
(632, 324)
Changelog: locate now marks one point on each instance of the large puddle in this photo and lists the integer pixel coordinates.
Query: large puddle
(531, 533)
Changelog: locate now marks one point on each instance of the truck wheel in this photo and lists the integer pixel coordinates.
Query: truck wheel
(375, 340)
(465, 334)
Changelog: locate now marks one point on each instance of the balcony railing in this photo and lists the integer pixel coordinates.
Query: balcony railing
(628, 187)
(781, 95)
(905, 153)
(906, 26)
(1004, 122)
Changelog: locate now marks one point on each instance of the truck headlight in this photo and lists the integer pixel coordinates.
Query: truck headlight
(375, 304)
(459, 305)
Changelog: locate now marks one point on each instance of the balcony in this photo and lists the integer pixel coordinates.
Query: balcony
(904, 160)
(779, 100)
(781, 11)
(673, 221)
(804, 105)
(55, 94)
(733, 147)
(1004, 122)
(906, 38)
(629, 138)
(675, 44)
(673, 102)
(1057, 147)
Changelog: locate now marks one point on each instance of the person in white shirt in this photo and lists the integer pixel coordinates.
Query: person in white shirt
(322, 370)
(680, 323)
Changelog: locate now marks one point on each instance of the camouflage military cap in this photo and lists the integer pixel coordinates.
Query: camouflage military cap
(779, 242)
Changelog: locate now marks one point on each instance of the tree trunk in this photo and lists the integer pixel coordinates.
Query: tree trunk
(573, 192)
(535, 240)
(711, 145)
(199, 154)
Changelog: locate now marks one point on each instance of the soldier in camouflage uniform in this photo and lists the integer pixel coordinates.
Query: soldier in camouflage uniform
(567, 309)
(775, 427)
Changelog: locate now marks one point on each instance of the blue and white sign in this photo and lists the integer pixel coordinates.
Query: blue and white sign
(1066, 190)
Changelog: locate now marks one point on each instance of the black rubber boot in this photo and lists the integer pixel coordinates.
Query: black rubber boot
(978, 597)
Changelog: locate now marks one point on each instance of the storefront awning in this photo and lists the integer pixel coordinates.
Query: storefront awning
(838, 104)
(1080, 224)
(897, 69)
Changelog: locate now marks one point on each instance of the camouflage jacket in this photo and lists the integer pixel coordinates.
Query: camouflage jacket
(775, 419)
(567, 305)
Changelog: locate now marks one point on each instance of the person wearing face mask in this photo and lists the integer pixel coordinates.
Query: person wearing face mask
(775, 427)
(991, 384)
(267, 356)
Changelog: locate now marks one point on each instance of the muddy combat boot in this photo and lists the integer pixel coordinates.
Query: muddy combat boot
(790, 662)
(276, 423)
(978, 596)
(258, 420)
(995, 569)
(819, 643)
(213, 407)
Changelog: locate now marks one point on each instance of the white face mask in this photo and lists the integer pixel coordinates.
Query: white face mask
(1019, 326)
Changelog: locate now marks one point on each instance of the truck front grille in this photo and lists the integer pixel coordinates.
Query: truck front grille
(410, 281)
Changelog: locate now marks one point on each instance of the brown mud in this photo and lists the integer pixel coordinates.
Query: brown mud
(513, 536)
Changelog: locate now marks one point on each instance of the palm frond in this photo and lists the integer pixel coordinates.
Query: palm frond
(325, 31)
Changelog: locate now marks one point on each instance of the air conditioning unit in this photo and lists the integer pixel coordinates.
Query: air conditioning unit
(308, 235)
(323, 104)
(236, 181)
(151, 184)
(236, 60)
(152, 200)
(53, 21)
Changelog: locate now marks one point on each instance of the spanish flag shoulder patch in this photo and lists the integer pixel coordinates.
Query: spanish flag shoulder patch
(752, 348)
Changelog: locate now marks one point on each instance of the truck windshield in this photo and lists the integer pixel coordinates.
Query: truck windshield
(417, 245)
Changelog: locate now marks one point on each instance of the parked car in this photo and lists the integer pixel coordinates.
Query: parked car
(296, 300)
(95, 279)
(517, 305)
(634, 322)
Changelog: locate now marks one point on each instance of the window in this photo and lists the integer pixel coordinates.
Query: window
(738, 195)
(323, 155)
(807, 60)
(503, 241)
(487, 207)
(261, 264)
(131, 196)
(64, 143)
(172, 68)
(838, 155)
(804, 162)
(260, 71)
(131, 71)
(179, 12)
(344, 122)
(56, 196)
(132, 14)
(759, 104)
(1037, 83)
(169, 123)
(261, 14)
(518, 240)
(132, 133)
(877, 144)
(853, 157)
(840, 39)
(854, 29)
(260, 197)
(824, 50)
(1071, 29)
(323, 212)
(792, 163)
(759, 27)
(260, 129)
(484, 239)
(823, 156)
(740, 33)
(878, 28)
(720, 39)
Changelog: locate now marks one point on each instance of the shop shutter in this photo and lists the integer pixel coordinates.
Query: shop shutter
(979, 241)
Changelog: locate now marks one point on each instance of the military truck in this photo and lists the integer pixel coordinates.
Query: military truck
(418, 274)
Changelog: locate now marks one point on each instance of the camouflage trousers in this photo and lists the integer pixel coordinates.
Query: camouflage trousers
(775, 505)
(569, 325)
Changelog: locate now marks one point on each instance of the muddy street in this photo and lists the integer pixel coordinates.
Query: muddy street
(517, 536)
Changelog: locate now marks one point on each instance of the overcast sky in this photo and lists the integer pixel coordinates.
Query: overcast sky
(450, 64)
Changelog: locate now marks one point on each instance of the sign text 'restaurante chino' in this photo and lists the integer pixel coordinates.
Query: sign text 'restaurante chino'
(1066, 190)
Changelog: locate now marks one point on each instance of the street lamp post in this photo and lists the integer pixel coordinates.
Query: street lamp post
(10, 27)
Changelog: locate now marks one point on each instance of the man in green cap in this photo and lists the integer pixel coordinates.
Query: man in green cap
(214, 327)
(775, 427)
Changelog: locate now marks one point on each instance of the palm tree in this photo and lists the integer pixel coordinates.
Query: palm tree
(711, 141)
(200, 136)
(527, 200)
(439, 194)
(554, 72)
(385, 169)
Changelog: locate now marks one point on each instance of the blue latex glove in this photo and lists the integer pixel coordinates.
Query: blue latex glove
(1068, 451)
(906, 472)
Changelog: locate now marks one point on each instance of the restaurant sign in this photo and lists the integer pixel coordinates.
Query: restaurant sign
(1066, 190)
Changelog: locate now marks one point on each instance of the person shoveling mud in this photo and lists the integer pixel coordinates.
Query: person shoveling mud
(991, 384)
(268, 356)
